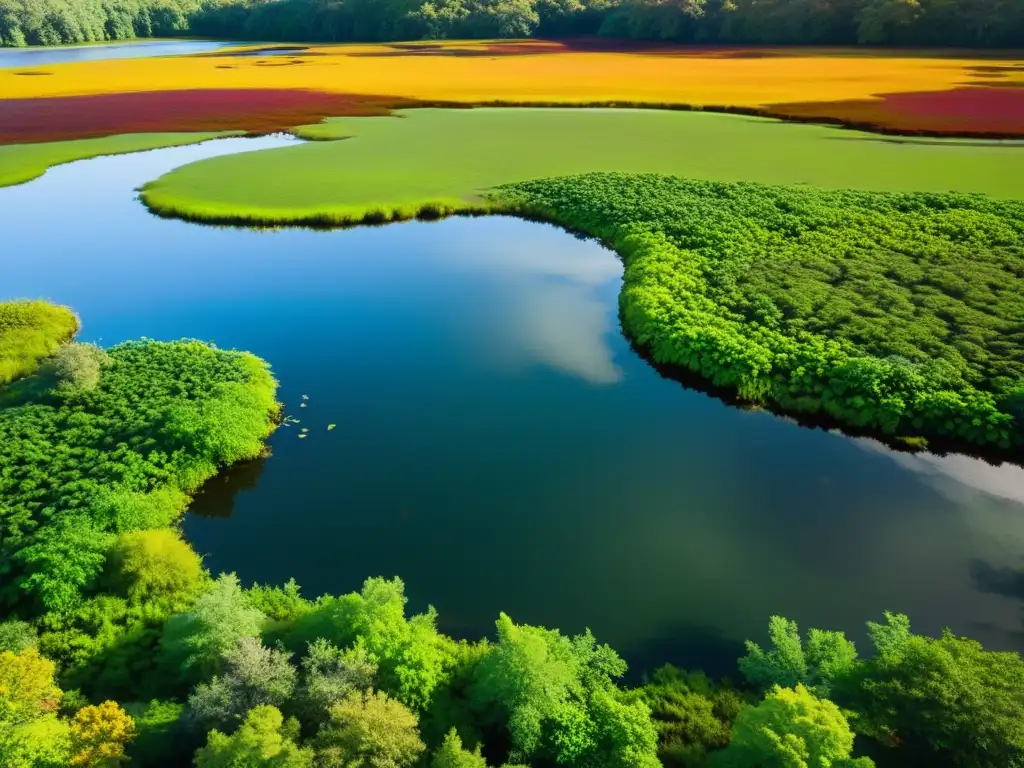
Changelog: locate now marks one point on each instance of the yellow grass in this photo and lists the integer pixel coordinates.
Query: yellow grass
(554, 74)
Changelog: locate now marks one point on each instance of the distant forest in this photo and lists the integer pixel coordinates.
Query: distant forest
(936, 23)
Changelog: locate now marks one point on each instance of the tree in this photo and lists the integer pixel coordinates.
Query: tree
(330, 675)
(559, 701)
(195, 642)
(452, 755)
(947, 702)
(17, 636)
(30, 732)
(264, 740)
(156, 569)
(827, 656)
(99, 735)
(692, 714)
(76, 367)
(253, 675)
(791, 728)
(368, 730)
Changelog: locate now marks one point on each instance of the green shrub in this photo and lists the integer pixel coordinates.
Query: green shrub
(895, 313)
(29, 332)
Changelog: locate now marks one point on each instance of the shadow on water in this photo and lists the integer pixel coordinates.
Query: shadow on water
(687, 646)
(216, 498)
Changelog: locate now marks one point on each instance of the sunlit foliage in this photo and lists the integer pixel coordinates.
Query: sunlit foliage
(29, 332)
(899, 314)
(264, 740)
(824, 657)
(81, 464)
(30, 732)
(99, 735)
(368, 729)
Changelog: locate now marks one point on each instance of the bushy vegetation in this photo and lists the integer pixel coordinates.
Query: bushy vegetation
(356, 696)
(899, 314)
(969, 23)
(102, 444)
(29, 332)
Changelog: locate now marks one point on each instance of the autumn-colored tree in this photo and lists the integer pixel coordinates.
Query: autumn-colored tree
(99, 735)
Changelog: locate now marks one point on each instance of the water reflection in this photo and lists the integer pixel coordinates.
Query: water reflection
(35, 57)
(958, 476)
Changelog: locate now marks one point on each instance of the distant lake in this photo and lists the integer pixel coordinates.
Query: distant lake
(34, 57)
(498, 444)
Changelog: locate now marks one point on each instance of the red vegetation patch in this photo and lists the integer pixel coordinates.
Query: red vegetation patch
(968, 111)
(255, 110)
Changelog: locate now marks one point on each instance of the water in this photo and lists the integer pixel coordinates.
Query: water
(498, 444)
(35, 57)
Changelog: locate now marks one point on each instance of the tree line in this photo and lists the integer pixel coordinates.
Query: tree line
(171, 667)
(963, 23)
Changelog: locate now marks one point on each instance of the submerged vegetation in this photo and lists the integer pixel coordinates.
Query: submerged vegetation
(899, 314)
(29, 332)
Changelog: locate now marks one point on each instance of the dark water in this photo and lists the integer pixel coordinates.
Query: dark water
(500, 447)
(34, 57)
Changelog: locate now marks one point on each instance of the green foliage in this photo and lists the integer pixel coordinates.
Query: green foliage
(195, 643)
(371, 730)
(251, 676)
(409, 653)
(17, 636)
(557, 699)
(158, 733)
(30, 732)
(29, 332)
(157, 571)
(279, 603)
(827, 655)
(76, 367)
(76, 469)
(969, 23)
(330, 675)
(262, 741)
(452, 755)
(791, 728)
(693, 715)
(891, 313)
(946, 701)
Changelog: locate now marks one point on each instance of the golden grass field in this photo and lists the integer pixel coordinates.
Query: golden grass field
(981, 93)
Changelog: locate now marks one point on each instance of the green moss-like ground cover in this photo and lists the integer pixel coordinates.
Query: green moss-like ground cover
(20, 163)
(897, 313)
(435, 160)
(84, 460)
(29, 332)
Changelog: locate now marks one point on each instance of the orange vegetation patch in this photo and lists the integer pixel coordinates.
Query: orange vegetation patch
(258, 111)
(822, 83)
(970, 111)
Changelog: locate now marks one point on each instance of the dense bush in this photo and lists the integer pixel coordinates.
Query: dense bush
(80, 465)
(970, 23)
(29, 332)
(896, 313)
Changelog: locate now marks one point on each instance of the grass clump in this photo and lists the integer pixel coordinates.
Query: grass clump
(29, 332)
(104, 443)
(899, 314)
(438, 160)
(20, 163)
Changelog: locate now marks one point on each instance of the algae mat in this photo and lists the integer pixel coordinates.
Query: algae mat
(393, 166)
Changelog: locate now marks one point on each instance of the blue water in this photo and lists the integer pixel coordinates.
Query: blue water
(35, 57)
(500, 447)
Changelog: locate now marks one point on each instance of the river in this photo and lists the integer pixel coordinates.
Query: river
(499, 446)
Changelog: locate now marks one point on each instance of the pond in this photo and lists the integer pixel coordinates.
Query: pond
(34, 57)
(498, 444)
